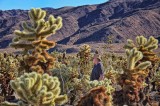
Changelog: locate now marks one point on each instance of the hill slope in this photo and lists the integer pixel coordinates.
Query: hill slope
(93, 23)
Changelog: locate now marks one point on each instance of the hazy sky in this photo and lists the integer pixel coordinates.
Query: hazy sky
(28, 4)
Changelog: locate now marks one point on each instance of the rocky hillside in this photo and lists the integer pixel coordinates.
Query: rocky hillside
(122, 19)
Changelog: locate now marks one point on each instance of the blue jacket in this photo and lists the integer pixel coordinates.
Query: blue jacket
(97, 71)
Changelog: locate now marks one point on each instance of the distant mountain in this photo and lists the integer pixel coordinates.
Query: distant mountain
(122, 19)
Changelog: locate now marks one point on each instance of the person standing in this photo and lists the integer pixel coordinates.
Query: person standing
(97, 71)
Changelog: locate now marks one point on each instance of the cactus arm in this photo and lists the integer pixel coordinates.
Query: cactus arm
(8, 104)
(45, 33)
(27, 28)
(144, 65)
(26, 46)
(24, 34)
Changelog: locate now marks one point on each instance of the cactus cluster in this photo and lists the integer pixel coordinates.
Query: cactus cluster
(84, 85)
(33, 39)
(106, 83)
(78, 87)
(113, 62)
(37, 90)
(9, 65)
(66, 74)
(112, 74)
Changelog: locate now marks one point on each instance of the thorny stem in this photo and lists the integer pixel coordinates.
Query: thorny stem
(62, 81)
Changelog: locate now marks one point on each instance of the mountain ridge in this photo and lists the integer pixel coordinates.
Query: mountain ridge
(91, 24)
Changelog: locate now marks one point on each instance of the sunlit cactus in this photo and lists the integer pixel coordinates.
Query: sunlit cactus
(146, 46)
(133, 56)
(133, 79)
(37, 90)
(35, 33)
(33, 38)
(84, 58)
(142, 43)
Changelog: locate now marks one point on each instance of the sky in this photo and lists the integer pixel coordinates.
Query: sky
(28, 4)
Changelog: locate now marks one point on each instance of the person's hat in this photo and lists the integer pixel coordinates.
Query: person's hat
(97, 56)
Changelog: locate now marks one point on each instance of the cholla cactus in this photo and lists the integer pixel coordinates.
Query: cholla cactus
(134, 76)
(114, 60)
(157, 78)
(36, 33)
(106, 83)
(65, 74)
(34, 38)
(84, 59)
(84, 85)
(37, 90)
(111, 74)
(96, 97)
(78, 88)
(109, 41)
(142, 43)
(133, 56)
(61, 57)
(9, 65)
(145, 46)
